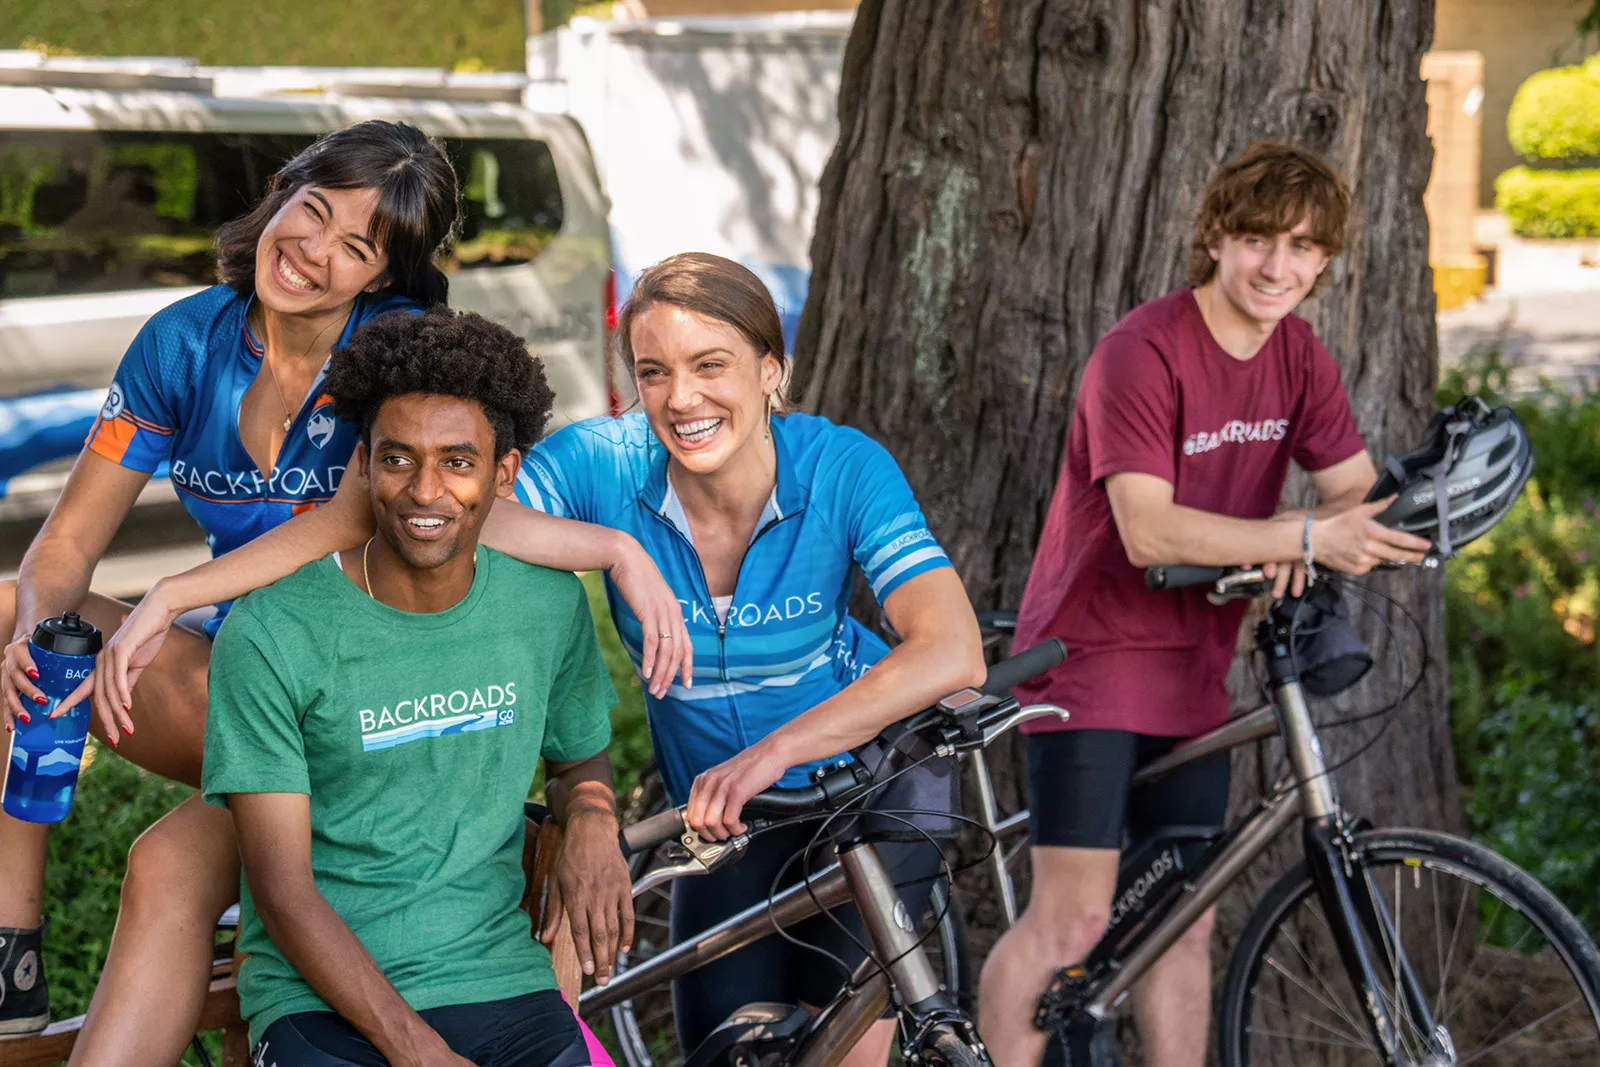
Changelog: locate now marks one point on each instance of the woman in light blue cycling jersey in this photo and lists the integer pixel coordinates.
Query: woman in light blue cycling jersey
(757, 520)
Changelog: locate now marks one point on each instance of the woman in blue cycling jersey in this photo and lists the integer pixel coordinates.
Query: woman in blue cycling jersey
(224, 386)
(758, 520)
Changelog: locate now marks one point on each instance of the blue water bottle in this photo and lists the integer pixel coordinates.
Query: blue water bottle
(45, 753)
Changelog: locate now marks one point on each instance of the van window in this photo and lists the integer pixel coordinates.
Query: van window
(97, 212)
(510, 201)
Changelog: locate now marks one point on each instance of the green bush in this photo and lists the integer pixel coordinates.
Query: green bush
(1556, 113)
(1522, 605)
(1550, 203)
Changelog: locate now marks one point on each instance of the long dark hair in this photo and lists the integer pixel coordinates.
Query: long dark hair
(418, 201)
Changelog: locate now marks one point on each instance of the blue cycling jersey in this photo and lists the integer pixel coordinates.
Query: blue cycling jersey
(786, 644)
(176, 397)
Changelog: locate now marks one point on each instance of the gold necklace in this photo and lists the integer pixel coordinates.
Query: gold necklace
(366, 579)
(288, 412)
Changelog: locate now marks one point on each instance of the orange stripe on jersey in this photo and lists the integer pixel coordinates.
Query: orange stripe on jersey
(303, 507)
(325, 398)
(145, 424)
(111, 437)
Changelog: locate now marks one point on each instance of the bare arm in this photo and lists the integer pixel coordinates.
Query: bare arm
(941, 652)
(275, 845)
(59, 564)
(592, 885)
(1156, 530)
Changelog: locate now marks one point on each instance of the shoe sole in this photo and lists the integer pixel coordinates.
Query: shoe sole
(23, 1027)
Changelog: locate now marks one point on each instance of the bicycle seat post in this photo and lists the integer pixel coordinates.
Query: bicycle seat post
(1318, 798)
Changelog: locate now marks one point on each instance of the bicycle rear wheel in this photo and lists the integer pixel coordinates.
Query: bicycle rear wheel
(644, 1025)
(1506, 972)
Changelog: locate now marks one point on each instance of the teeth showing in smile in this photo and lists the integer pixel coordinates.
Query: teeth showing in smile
(426, 524)
(1267, 291)
(698, 430)
(293, 277)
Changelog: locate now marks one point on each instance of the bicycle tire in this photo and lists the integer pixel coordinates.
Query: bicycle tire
(643, 1025)
(1316, 1029)
(946, 1048)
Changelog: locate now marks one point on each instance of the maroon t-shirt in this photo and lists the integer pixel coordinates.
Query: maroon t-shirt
(1161, 397)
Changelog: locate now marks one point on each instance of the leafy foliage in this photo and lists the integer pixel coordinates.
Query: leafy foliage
(1550, 203)
(1556, 113)
(456, 34)
(1522, 604)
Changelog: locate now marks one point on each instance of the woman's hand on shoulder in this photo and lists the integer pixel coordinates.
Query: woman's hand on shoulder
(667, 651)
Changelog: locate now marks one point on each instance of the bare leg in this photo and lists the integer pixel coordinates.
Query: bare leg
(183, 873)
(873, 1048)
(23, 844)
(1069, 910)
(1172, 1004)
(169, 739)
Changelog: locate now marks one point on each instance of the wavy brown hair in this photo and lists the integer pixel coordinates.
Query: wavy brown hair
(418, 203)
(717, 288)
(1268, 189)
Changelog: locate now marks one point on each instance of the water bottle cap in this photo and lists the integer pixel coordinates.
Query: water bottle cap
(67, 636)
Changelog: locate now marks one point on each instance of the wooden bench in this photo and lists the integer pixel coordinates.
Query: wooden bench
(221, 1011)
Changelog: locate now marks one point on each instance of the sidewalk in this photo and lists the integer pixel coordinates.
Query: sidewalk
(1543, 312)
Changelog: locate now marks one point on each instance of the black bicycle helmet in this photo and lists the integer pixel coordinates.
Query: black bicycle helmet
(1462, 479)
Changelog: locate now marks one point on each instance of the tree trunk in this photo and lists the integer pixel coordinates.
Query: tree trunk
(1013, 176)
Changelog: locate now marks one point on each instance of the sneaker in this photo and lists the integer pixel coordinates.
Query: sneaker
(24, 998)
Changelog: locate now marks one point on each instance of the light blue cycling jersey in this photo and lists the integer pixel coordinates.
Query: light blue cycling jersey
(176, 397)
(787, 643)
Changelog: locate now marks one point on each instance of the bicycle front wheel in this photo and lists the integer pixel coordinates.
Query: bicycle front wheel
(1505, 973)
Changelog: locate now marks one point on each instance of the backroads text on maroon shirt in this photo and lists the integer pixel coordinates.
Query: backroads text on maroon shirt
(1160, 397)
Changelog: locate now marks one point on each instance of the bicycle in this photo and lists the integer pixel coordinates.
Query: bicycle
(933, 1026)
(1336, 965)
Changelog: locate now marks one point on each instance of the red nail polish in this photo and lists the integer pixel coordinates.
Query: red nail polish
(112, 739)
(24, 717)
(127, 707)
(33, 673)
(40, 700)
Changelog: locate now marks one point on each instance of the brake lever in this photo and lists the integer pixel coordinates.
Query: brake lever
(701, 857)
(1024, 714)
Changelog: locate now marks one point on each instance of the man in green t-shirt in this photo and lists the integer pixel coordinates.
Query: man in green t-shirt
(375, 723)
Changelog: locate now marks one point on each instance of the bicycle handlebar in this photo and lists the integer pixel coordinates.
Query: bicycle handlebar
(1179, 575)
(779, 803)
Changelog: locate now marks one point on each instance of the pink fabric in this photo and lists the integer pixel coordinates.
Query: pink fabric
(1160, 397)
(598, 1056)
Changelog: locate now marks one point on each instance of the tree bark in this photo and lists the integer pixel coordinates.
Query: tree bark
(1013, 176)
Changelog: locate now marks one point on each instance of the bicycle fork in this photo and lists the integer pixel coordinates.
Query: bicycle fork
(1350, 902)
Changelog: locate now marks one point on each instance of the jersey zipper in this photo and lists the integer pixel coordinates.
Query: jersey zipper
(705, 584)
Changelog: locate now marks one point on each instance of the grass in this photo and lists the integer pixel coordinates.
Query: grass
(456, 34)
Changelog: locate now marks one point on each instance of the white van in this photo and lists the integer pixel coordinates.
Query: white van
(114, 175)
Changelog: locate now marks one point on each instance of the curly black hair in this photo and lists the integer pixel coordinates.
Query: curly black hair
(448, 353)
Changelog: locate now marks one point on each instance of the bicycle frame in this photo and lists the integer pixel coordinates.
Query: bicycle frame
(858, 875)
(1305, 795)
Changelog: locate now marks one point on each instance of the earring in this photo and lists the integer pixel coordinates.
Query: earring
(770, 405)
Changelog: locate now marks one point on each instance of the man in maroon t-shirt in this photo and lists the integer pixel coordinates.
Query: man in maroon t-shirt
(1187, 417)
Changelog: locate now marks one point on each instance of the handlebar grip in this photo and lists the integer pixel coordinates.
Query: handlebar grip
(1024, 665)
(649, 833)
(1178, 575)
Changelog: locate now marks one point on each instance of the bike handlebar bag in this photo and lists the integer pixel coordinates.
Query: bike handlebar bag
(1328, 654)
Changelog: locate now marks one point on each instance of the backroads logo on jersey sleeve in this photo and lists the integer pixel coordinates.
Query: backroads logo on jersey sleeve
(114, 403)
(1236, 432)
(414, 718)
(250, 485)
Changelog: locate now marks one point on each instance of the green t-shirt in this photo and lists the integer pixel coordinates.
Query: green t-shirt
(416, 737)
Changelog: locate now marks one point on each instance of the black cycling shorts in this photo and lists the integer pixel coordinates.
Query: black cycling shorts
(533, 1030)
(773, 969)
(1078, 789)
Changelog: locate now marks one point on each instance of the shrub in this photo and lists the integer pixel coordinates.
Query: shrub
(1522, 604)
(1550, 203)
(1556, 113)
